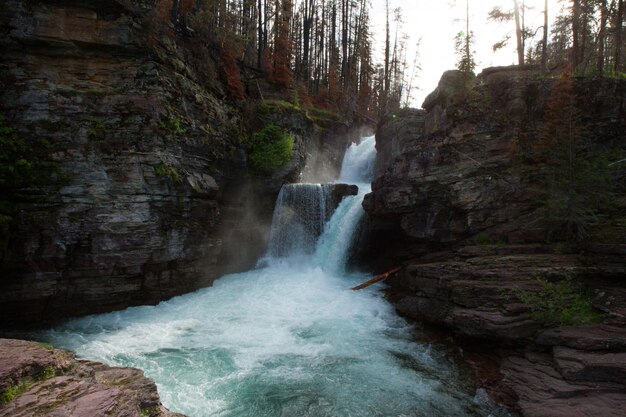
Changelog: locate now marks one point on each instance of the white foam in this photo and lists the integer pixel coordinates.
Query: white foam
(289, 339)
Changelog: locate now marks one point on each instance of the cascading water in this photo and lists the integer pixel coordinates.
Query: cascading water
(287, 339)
(298, 219)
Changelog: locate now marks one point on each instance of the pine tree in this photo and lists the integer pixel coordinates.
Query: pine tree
(574, 182)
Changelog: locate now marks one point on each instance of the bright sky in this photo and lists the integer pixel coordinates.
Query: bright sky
(438, 21)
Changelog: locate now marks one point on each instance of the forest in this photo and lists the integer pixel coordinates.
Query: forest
(238, 208)
(325, 50)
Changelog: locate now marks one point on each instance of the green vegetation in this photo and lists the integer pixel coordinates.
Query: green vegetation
(578, 183)
(482, 239)
(278, 106)
(96, 129)
(173, 126)
(45, 345)
(320, 117)
(269, 149)
(13, 391)
(148, 411)
(559, 304)
(165, 170)
(47, 373)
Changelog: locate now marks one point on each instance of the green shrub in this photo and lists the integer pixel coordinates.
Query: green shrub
(559, 304)
(270, 149)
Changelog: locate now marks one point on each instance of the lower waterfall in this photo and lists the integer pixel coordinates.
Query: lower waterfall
(287, 339)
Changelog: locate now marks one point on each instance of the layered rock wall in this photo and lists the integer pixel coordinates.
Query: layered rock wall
(456, 207)
(152, 197)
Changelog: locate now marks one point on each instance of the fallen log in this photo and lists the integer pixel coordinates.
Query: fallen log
(376, 279)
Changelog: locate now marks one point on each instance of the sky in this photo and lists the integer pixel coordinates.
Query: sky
(437, 22)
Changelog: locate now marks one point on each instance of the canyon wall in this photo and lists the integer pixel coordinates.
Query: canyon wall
(456, 202)
(137, 188)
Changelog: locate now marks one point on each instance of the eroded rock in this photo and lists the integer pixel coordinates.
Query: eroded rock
(53, 383)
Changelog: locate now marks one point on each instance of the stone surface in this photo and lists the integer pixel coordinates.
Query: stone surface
(59, 385)
(453, 207)
(542, 392)
(158, 200)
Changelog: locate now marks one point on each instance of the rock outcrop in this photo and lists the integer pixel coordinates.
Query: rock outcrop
(451, 203)
(152, 197)
(146, 147)
(36, 379)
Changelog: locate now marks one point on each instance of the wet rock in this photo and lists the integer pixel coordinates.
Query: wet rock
(53, 383)
(542, 392)
(452, 206)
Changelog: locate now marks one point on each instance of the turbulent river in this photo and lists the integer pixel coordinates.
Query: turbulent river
(286, 339)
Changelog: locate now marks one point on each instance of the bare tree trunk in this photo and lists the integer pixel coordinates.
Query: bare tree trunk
(261, 43)
(604, 14)
(386, 74)
(544, 52)
(575, 34)
(519, 34)
(618, 36)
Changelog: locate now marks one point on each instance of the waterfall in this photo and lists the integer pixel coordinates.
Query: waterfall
(298, 220)
(334, 247)
(286, 339)
(302, 213)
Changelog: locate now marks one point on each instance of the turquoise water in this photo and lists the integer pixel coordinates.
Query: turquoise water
(288, 339)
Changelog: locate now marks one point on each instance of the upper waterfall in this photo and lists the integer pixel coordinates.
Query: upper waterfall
(303, 211)
(358, 162)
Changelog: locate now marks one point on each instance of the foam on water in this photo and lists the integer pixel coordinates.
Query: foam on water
(289, 339)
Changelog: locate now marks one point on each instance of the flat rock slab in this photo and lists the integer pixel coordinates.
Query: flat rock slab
(53, 383)
(596, 337)
(543, 393)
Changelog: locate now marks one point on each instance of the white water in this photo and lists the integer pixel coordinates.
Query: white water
(289, 339)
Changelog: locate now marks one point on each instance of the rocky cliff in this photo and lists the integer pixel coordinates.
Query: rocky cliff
(456, 202)
(137, 187)
(36, 379)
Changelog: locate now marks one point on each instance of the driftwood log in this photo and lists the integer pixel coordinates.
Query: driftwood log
(376, 279)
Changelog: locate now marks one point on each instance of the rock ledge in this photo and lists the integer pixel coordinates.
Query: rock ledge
(36, 379)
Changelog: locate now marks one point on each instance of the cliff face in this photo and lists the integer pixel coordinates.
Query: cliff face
(149, 196)
(454, 204)
(145, 146)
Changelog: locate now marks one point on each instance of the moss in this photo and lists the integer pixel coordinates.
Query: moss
(173, 126)
(13, 391)
(165, 170)
(559, 304)
(278, 106)
(482, 239)
(96, 129)
(269, 149)
(148, 411)
(45, 345)
(74, 218)
(47, 373)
